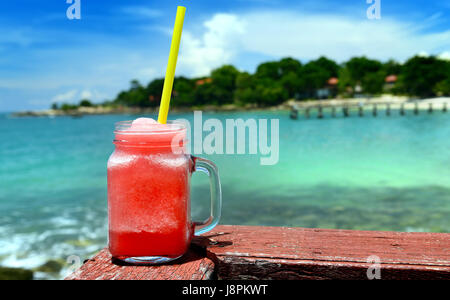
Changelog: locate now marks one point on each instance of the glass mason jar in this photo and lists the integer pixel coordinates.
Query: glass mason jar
(149, 194)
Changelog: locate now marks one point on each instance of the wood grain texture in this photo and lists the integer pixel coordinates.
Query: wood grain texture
(246, 252)
(193, 266)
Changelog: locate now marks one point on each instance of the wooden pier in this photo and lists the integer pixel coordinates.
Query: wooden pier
(321, 110)
(247, 252)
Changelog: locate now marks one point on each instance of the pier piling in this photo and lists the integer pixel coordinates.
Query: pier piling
(347, 108)
(345, 111)
(402, 109)
(320, 112)
(416, 108)
(361, 111)
(294, 114)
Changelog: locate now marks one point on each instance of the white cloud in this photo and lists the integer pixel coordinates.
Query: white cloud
(86, 94)
(309, 36)
(74, 96)
(65, 97)
(93, 95)
(444, 55)
(305, 36)
(217, 46)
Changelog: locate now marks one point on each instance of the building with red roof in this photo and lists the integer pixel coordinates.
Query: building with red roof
(390, 82)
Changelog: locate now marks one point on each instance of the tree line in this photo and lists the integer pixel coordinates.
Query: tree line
(277, 81)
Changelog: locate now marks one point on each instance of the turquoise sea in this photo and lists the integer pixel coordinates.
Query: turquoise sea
(383, 173)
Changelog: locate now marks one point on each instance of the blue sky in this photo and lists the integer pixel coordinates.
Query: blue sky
(45, 58)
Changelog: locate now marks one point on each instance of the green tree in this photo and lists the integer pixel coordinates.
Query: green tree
(292, 84)
(204, 94)
(271, 95)
(183, 92)
(345, 85)
(245, 89)
(289, 65)
(360, 66)
(366, 71)
(136, 96)
(290, 76)
(422, 75)
(284, 74)
(276, 81)
(68, 106)
(269, 70)
(391, 67)
(328, 65)
(222, 86)
(442, 88)
(259, 90)
(373, 83)
(85, 103)
(154, 91)
(314, 77)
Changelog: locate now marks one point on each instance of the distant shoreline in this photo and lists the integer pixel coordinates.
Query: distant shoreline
(100, 110)
(395, 102)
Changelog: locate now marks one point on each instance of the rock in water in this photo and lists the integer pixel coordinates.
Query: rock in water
(15, 274)
(52, 266)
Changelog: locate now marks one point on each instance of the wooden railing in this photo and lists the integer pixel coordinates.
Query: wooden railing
(245, 252)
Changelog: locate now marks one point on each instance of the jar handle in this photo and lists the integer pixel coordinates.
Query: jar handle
(210, 169)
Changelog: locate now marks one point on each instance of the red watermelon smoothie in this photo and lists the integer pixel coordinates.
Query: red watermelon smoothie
(148, 191)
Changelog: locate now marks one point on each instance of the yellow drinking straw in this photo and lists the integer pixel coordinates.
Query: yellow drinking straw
(171, 65)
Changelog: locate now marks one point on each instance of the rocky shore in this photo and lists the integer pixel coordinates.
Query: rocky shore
(49, 270)
(104, 110)
(15, 274)
(81, 111)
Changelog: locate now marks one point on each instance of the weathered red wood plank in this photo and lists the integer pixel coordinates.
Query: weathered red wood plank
(277, 252)
(193, 266)
(245, 252)
(237, 268)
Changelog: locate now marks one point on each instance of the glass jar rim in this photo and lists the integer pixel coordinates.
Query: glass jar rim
(123, 128)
